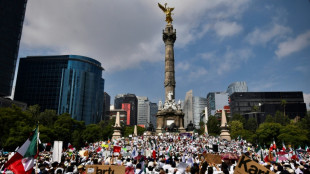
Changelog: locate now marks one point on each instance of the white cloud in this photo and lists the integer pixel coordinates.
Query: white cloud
(293, 45)
(232, 59)
(307, 100)
(266, 34)
(183, 66)
(197, 72)
(302, 69)
(120, 34)
(224, 28)
(210, 56)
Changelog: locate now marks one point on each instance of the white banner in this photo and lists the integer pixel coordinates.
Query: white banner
(57, 151)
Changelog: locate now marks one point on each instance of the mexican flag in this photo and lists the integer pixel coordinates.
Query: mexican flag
(23, 160)
(307, 149)
(283, 147)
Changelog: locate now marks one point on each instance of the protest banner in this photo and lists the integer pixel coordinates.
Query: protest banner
(213, 158)
(104, 169)
(246, 165)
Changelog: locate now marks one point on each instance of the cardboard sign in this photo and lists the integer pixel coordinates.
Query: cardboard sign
(104, 169)
(246, 165)
(213, 158)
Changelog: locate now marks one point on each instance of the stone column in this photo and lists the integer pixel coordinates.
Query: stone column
(159, 124)
(169, 37)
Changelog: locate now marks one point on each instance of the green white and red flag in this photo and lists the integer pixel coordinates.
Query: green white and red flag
(22, 161)
(307, 149)
(283, 146)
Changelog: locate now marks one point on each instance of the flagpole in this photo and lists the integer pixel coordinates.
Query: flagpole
(37, 149)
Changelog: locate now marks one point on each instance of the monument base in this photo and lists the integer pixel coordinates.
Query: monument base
(225, 135)
(148, 133)
(170, 120)
(116, 135)
(182, 130)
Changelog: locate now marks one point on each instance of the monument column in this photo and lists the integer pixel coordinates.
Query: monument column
(169, 37)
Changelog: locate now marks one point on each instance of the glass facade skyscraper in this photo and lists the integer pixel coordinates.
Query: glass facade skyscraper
(216, 101)
(237, 87)
(199, 105)
(66, 83)
(12, 14)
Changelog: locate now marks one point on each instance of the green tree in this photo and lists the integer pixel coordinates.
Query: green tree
(107, 128)
(238, 117)
(294, 135)
(92, 133)
(201, 130)
(140, 130)
(47, 118)
(251, 125)
(15, 127)
(213, 125)
(34, 112)
(255, 108)
(269, 119)
(47, 134)
(77, 140)
(305, 124)
(128, 130)
(236, 129)
(266, 132)
(281, 118)
(283, 104)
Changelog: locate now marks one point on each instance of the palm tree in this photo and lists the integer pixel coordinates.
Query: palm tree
(283, 104)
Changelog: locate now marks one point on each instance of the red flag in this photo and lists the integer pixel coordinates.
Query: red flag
(274, 145)
(154, 154)
(117, 149)
(99, 149)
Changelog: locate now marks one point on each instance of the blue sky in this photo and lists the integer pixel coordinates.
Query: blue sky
(263, 42)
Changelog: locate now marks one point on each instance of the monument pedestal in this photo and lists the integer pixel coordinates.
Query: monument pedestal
(171, 120)
(116, 134)
(149, 133)
(225, 135)
(117, 128)
(224, 130)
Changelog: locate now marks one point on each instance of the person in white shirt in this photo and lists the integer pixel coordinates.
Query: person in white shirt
(138, 169)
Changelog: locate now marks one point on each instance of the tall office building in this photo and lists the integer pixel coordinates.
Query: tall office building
(130, 99)
(268, 103)
(199, 105)
(153, 112)
(65, 83)
(126, 107)
(237, 87)
(188, 108)
(143, 111)
(106, 106)
(216, 101)
(12, 14)
(193, 107)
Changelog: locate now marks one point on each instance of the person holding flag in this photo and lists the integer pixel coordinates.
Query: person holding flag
(23, 160)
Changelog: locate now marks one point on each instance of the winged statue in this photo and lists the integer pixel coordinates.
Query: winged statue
(167, 11)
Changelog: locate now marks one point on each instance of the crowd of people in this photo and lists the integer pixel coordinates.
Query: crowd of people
(169, 154)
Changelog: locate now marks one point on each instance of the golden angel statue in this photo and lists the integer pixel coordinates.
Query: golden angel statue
(167, 11)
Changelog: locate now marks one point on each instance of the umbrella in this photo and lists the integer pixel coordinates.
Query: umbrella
(230, 156)
(280, 158)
